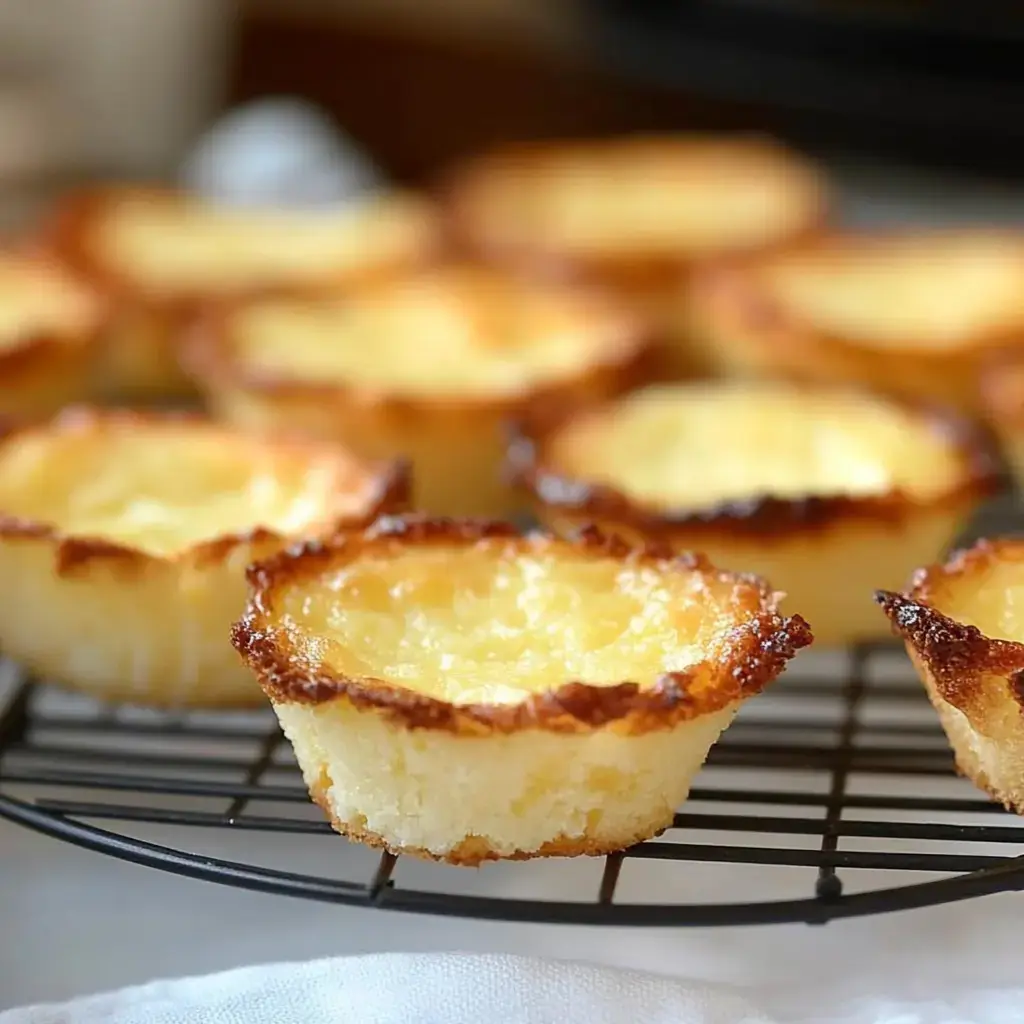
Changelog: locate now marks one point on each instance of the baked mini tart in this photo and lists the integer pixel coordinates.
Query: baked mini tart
(1002, 397)
(124, 540)
(50, 324)
(963, 629)
(910, 313)
(456, 691)
(823, 491)
(161, 255)
(636, 214)
(427, 366)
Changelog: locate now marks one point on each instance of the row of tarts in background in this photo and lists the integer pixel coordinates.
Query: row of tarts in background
(663, 337)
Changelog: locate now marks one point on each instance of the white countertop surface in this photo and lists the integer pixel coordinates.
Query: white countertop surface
(73, 921)
(76, 922)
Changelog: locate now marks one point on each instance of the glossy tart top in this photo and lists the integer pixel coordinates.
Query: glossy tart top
(42, 304)
(170, 246)
(926, 292)
(470, 627)
(458, 333)
(755, 454)
(163, 486)
(628, 199)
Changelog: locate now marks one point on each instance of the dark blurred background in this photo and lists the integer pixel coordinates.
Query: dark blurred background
(120, 88)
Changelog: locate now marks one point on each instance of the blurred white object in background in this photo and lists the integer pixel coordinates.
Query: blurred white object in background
(279, 151)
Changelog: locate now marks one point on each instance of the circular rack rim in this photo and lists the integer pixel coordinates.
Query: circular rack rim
(966, 876)
(381, 894)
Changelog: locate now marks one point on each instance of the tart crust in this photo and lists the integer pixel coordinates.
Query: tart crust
(152, 305)
(50, 324)
(636, 215)
(957, 620)
(127, 536)
(428, 366)
(459, 750)
(913, 313)
(824, 544)
(1002, 396)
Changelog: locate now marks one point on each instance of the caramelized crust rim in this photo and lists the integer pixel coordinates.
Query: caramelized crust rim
(758, 649)
(76, 554)
(730, 290)
(69, 231)
(456, 189)
(760, 515)
(37, 348)
(958, 657)
(211, 357)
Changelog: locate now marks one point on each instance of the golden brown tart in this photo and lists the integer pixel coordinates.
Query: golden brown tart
(912, 313)
(822, 491)
(964, 631)
(428, 366)
(636, 214)
(455, 691)
(50, 324)
(161, 255)
(124, 540)
(1002, 397)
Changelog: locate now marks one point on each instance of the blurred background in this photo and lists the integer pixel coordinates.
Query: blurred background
(118, 88)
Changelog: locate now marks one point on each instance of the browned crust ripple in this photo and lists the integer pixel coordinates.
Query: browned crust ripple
(458, 192)
(211, 355)
(75, 554)
(762, 516)
(960, 659)
(758, 649)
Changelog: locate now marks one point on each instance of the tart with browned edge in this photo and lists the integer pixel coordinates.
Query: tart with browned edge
(161, 255)
(50, 324)
(964, 633)
(910, 313)
(823, 491)
(124, 540)
(636, 214)
(428, 366)
(456, 691)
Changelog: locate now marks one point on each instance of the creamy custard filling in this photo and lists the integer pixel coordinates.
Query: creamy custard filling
(36, 300)
(458, 333)
(696, 447)
(476, 624)
(991, 600)
(934, 294)
(172, 246)
(638, 201)
(163, 492)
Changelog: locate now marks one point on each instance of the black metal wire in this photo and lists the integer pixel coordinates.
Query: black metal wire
(839, 792)
(137, 772)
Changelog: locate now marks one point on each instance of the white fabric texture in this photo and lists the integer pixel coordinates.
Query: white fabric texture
(453, 988)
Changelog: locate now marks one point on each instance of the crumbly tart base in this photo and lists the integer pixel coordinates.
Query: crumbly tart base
(441, 799)
(974, 681)
(997, 772)
(994, 765)
(472, 851)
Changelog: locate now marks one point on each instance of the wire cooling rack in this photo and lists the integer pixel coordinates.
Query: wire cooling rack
(832, 795)
(838, 793)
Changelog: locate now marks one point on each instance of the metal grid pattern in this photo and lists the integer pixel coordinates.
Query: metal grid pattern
(840, 780)
(832, 795)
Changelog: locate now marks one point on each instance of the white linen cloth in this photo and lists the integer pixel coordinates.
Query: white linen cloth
(453, 988)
